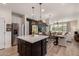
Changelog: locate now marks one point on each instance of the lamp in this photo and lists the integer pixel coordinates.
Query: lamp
(40, 10)
(62, 25)
(33, 12)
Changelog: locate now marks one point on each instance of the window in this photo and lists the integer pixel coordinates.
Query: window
(60, 27)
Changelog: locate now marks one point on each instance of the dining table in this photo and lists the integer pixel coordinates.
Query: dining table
(57, 37)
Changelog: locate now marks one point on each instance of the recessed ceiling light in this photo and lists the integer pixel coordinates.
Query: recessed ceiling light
(42, 10)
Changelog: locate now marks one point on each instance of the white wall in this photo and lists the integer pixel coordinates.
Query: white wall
(78, 24)
(26, 27)
(6, 14)
(73, 26)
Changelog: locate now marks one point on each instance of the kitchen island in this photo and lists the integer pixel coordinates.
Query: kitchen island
(32, 45)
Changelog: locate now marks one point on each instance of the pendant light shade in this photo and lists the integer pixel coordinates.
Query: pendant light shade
(62, 25)
(33, 12)
(40, 10)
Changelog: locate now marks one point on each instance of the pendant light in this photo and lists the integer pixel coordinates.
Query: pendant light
(62, 25)
(33, 12)
(57, 25)
(40, 11)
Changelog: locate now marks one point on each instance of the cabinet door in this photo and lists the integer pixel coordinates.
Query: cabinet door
(19, 46)
(36, 49)
(44, 47)
(26, 49)
(2, 33)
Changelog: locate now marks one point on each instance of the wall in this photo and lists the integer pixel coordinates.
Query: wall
(73, 26)
(26, 26)
(78, 25)
(6, 14)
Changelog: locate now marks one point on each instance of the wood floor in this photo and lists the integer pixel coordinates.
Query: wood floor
(71, 49)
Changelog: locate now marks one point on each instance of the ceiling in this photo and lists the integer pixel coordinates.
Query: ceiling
(52, 10)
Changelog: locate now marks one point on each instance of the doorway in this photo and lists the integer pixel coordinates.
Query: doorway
(2, 33)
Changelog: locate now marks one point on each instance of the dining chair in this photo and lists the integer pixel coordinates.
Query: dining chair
(67, 38)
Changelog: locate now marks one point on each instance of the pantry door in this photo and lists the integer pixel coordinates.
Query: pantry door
(2, 33)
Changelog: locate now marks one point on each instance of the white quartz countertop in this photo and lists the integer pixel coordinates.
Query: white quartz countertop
(32, 39)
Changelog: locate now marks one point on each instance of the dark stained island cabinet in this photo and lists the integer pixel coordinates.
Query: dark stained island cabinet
(32, 46)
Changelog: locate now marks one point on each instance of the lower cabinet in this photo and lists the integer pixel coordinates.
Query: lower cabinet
(29, 49)
(36, 49)
(24, 48)
(44, 47)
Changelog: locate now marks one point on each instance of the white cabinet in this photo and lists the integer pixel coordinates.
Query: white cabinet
(2, 33)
